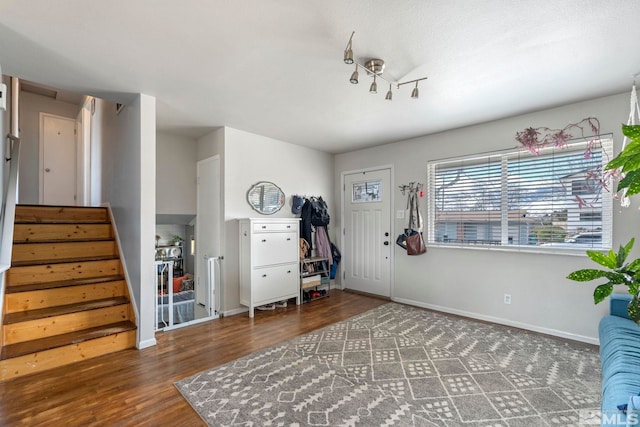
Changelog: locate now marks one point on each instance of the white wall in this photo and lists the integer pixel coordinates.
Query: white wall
(211, 144)
(247, 159)
(472, 282)
(176, 158)
(31, 105)
(97, 138)
(296, 170)
(125, 153)
(146, 223)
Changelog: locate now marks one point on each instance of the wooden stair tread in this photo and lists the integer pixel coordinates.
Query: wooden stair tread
(54, 223)
(63, 260)
(34, 346)
(61, 221)
(60, 214)
(38, 252)
(61, 224)
(23, 316)
(53, 232)
(10, 289)
(80, 240)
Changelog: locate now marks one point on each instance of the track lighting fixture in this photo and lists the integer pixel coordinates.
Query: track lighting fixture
(374, 67)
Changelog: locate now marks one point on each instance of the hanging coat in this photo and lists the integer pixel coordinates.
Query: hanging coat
(323, 244)
(305, 224)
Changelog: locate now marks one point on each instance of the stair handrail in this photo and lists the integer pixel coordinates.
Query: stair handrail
(8, 209)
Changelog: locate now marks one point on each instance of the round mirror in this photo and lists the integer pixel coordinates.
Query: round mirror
(265, 197)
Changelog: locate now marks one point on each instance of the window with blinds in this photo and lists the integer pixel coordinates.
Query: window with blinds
(515, 199)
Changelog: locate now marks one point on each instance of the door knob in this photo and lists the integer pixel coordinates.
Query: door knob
(47, 170)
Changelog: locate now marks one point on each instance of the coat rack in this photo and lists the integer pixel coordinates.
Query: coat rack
(412, 187)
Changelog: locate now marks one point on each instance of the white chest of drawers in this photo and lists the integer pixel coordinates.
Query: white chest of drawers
(269, 261)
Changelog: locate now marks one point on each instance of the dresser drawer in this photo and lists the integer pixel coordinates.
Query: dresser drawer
(275, 248)
(271, 284)
(265, 227)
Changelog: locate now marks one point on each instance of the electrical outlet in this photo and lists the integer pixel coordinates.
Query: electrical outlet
(507, 298)
(400, 214)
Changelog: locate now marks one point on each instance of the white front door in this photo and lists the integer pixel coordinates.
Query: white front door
(367, 232)
(208, 235)
(58, 165)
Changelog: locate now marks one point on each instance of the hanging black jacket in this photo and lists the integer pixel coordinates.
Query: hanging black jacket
(305, 224)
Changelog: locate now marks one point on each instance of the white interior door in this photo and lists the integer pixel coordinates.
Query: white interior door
(58, 160)
(367, 232)
(208, 235)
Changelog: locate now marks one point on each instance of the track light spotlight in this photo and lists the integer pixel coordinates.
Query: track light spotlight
(375, 67)
(348, 56)
(348, 51)
(354, 76)
(414, 93)
(374, 86)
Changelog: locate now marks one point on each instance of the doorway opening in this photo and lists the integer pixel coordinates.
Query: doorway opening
(188, 256)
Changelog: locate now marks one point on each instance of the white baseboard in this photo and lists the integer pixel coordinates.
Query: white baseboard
(238, 310)
(146, 343)
(501, 321)
(190, 323)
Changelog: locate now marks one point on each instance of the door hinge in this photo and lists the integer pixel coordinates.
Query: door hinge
(344, 275)
(75, 131)
(344, 231)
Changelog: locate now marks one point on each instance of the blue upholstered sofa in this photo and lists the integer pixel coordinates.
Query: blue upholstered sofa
(620, 361)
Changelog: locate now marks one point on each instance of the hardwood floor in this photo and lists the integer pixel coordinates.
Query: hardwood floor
(135, 387)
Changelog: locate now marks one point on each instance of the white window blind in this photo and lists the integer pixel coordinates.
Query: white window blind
(516, 199)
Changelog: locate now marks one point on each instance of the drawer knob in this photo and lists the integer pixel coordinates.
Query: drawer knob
(288, 271)
(288, 238)
(264, 240)
(264, 226)
(264, 275)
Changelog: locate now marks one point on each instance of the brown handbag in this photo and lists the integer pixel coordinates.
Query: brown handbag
(304, 248)
(415, 244)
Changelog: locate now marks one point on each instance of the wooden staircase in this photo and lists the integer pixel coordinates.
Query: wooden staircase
(66, 298)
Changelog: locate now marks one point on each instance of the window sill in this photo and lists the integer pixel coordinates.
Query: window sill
(581, 252)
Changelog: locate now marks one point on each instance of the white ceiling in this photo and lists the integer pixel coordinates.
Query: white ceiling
(274, 67)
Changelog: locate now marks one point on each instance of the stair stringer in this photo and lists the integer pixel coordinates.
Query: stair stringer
(123, 262)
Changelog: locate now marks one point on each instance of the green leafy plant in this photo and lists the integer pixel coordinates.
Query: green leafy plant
(628, 161)
(618, 273)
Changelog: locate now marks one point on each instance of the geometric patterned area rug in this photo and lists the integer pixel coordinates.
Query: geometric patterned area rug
(398, 365)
